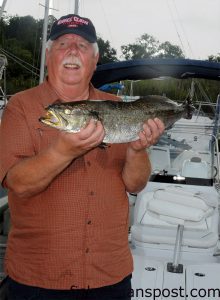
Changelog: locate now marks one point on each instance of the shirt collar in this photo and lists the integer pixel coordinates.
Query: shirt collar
(50, 96)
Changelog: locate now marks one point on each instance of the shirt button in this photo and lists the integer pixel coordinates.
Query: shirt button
(92, 193)
(89, 222)
(87, 250)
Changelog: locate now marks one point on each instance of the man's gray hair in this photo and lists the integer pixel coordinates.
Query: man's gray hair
(94, 45)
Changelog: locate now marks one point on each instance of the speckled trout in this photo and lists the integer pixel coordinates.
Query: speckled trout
(122, 121)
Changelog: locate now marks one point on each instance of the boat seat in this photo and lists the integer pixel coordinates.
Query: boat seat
(158, 213)
(188, 155)
(196, 167)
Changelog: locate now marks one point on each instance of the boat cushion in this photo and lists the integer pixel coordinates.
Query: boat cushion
(177, 206)
(159, 212)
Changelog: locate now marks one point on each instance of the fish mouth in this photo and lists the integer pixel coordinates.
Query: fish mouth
(51, 119)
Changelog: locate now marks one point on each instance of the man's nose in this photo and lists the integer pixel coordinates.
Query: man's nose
(73, 47)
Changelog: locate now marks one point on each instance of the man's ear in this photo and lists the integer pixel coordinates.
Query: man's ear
(97, 57)
(96, 61)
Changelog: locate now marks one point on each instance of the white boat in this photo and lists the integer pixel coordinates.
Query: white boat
(174, 233)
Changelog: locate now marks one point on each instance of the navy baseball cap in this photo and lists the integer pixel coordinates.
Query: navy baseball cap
(76, 25)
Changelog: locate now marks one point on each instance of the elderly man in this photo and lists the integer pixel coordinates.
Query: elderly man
(67, 197)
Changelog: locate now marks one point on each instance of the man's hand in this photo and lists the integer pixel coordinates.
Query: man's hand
(73, 145)
(137, 168)
(152, 130)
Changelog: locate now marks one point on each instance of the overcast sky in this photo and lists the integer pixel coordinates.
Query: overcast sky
(194, 25)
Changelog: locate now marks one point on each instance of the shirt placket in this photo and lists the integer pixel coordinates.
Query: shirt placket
(89, 221)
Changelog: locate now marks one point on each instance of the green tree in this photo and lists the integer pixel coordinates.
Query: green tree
(2, 31)
(145, 47)
(168, 50)
(23, 29)
(106, 52)
(148, 47)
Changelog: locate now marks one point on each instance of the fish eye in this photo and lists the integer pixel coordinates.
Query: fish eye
(67, 111)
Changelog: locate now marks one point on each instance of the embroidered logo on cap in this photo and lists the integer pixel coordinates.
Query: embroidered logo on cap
(72, 22)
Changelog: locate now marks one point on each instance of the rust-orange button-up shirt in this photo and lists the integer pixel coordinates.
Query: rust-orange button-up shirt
(75, 233)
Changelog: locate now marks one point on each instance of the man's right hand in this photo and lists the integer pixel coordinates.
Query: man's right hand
(73, 145)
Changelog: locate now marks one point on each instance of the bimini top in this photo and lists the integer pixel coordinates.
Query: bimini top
(154, 68)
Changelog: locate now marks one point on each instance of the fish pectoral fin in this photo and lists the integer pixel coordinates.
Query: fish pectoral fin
(103, 146)
(95, 115)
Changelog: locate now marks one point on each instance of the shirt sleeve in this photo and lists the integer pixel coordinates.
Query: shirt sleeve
(15, 138)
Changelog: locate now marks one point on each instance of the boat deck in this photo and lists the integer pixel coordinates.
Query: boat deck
(154, 281)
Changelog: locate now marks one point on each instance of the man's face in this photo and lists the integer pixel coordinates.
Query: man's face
(71, 60)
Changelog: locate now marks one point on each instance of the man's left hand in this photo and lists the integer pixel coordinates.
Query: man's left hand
(152, 130)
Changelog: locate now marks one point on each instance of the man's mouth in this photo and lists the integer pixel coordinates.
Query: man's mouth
(71, 66)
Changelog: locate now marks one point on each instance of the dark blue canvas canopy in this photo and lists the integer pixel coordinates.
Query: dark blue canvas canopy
(154, 68)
